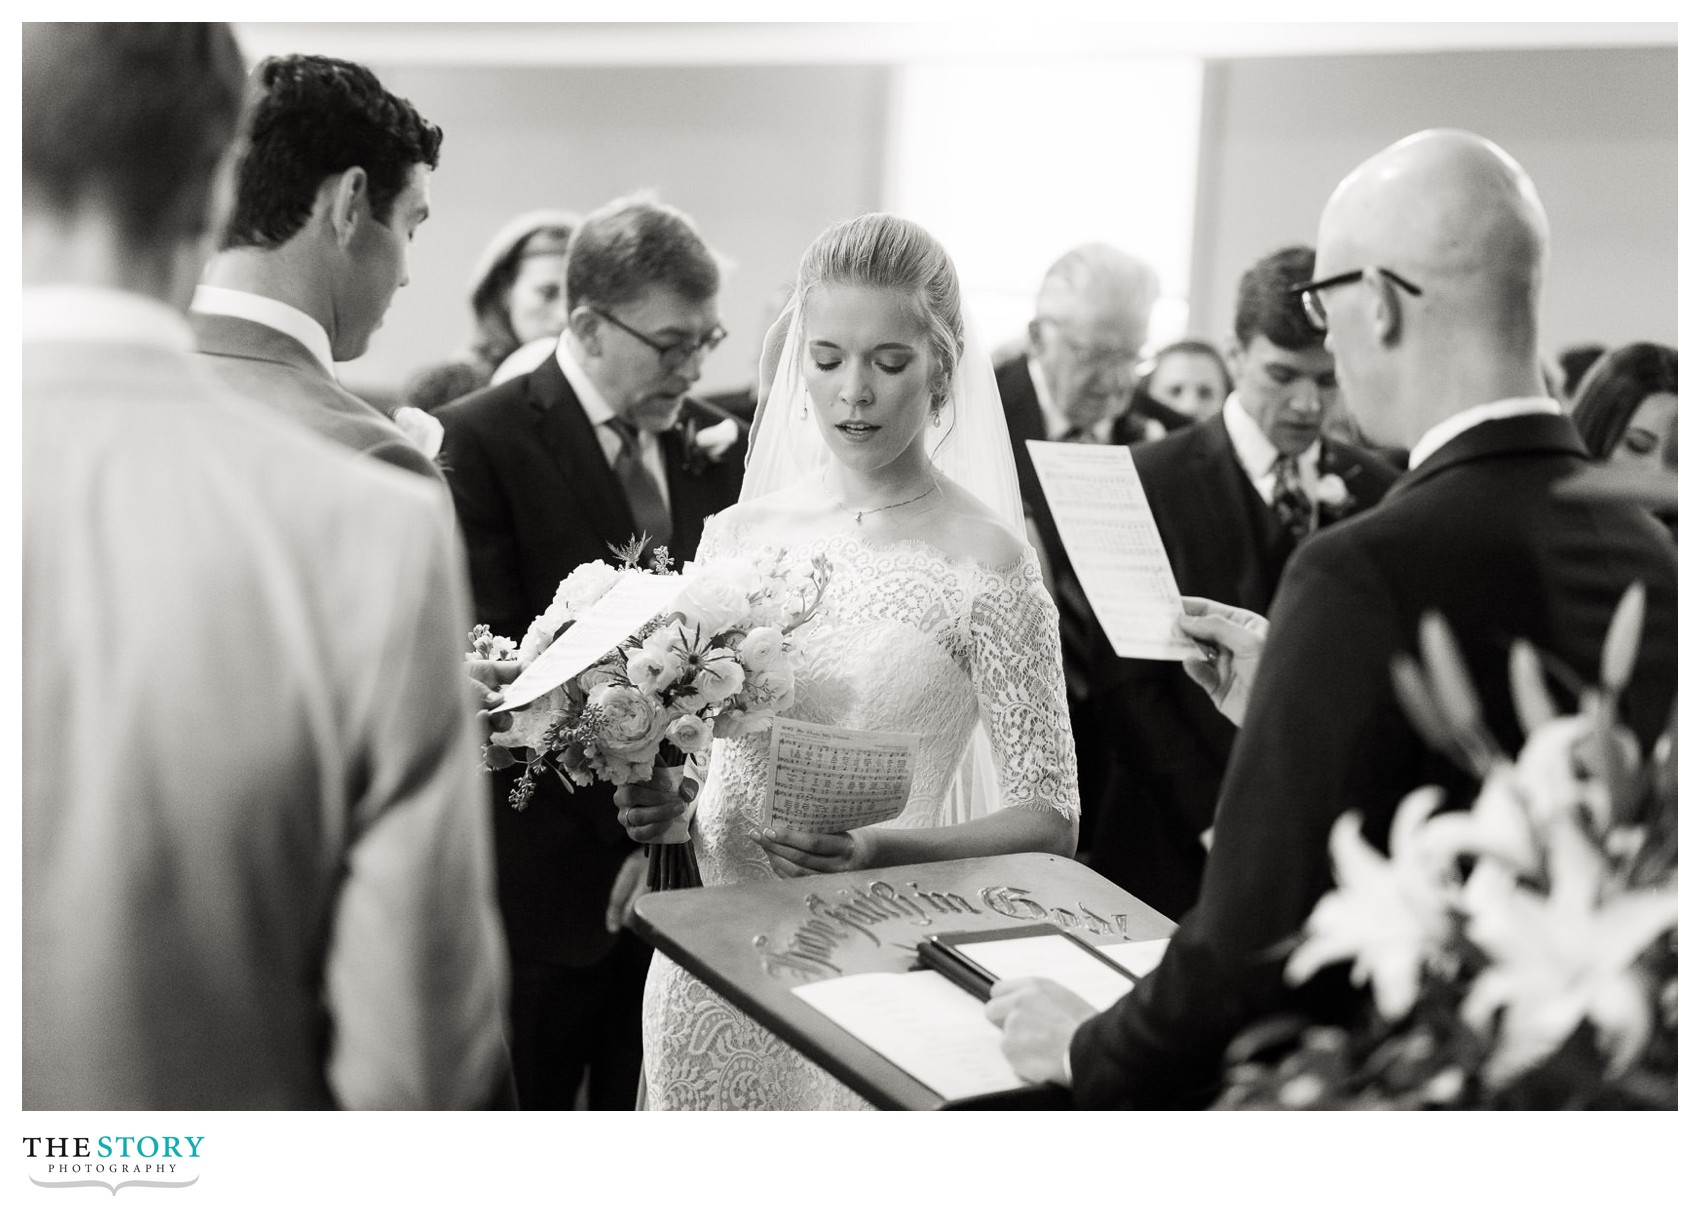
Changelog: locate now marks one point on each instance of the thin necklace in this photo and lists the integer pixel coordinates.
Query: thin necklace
(858, 513)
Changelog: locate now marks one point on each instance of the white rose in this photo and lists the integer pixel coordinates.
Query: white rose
(586, 584)
(716, 440)
(719, 596)
(420, 428)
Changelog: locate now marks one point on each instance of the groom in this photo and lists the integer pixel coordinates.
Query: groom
(548, 471)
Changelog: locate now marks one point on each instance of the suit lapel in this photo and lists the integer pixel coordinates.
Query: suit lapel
(1230, 508)
(569, 439)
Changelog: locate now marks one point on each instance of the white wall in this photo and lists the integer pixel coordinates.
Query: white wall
(1596, 129)
(762, 158)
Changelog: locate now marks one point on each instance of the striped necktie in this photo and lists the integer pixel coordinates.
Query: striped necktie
(1291, 504)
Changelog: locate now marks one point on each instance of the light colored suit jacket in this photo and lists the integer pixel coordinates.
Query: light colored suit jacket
(257, 867)
(276, 369)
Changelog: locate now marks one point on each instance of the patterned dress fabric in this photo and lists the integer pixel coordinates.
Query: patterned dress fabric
(906, 640)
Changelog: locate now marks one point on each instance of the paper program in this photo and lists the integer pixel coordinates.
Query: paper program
(829, 780)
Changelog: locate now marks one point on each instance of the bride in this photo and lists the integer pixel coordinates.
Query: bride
(884, 447)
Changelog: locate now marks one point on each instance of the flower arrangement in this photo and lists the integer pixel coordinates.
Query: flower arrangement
(1521, 954)
(721, 663)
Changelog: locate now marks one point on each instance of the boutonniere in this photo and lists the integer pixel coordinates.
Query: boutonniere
(706, 445)
(1334, 499)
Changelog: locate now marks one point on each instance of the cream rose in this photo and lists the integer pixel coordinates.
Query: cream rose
(1330, 491)
(719, 677)
(586, 584)
(719, 596)
(632, 722)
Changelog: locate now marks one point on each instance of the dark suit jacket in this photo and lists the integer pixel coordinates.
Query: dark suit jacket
(536, 498)
(1476, 533)
(1223, 543)
(274, 368)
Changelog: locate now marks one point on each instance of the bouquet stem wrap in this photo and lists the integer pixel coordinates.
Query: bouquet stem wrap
(673, 860)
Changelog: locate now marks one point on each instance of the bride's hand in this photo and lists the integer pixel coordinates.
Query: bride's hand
(645, 812)
(794, 852)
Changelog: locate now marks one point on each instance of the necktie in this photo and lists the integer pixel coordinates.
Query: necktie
(1291, 505)
(643, 494)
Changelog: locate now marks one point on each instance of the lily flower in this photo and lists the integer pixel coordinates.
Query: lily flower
(1388, 915)
(1562, 959)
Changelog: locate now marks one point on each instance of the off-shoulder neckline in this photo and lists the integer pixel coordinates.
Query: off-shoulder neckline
(921, 547)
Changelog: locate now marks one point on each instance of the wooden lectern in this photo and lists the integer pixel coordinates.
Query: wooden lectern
(753, 943)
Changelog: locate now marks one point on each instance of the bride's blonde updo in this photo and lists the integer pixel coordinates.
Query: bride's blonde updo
(882, 250)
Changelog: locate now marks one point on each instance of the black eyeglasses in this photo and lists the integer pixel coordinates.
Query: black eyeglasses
(672, 355)
(1310, 293)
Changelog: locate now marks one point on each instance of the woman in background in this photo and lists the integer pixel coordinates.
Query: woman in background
(1626, 406)
(518, 297)
(1190, 377)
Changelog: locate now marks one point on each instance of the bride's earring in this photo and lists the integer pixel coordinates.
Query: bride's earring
(938, 415)
(805, 407)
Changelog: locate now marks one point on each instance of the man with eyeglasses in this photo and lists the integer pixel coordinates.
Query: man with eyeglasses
(1070, 385)
(1232, 497)
(1429, 264)
(591, 449)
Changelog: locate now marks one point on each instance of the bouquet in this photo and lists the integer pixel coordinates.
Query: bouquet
(721, 663)
(1521, 954)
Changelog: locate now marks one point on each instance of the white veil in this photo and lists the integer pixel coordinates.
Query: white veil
(970, 446)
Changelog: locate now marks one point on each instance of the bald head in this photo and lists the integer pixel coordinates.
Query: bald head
(1451, 214)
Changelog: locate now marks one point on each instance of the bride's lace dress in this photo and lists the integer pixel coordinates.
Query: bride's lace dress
(906, 640)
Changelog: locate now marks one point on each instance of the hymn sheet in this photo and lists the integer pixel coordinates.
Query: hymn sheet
(1112, 541)
(829, 780)
(636, 598)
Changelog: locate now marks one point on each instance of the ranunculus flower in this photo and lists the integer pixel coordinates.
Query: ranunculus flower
(720, 676)
(632, 722)
(652, 671)
(586, 584)
(761, 648)
(690, 734)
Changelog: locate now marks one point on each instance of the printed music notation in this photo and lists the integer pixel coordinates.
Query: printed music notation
(829, 780)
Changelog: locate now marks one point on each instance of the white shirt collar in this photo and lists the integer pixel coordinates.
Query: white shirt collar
(596, 406)
(1056, 424)
(273, 313)
(1458, 422)
(1254, 450)
(94, 314)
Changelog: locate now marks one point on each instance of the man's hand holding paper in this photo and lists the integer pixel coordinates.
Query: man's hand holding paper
(1232, 639)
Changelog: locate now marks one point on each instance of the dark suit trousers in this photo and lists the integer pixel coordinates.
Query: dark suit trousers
(573, 1023)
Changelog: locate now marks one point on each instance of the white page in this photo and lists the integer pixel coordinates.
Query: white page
(1054, 957)
(636, 598)
(923, 1024)
(1112, 541)
(829, 780)
(1138, 958)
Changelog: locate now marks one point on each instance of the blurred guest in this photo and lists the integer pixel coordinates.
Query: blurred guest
(1090, 322)
(1232, 497)
(252, 875)
(1430, 260)
(548, 470)
(332, 184)
(1626, 406)
(1190, 377)
(1574, 362)
(518, 298)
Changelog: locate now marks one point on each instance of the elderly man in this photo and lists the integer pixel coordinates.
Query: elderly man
(254, 873)
(1429, 264)
(1232, 497)
(592, 448)
(1073, 383)
(332, 185)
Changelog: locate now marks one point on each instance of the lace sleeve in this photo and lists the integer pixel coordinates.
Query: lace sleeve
(1018, 680)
